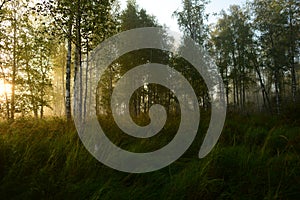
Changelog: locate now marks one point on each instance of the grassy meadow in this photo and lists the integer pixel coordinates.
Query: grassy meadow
(257, 157)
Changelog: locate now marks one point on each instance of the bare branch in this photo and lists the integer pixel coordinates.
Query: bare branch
(2, 4)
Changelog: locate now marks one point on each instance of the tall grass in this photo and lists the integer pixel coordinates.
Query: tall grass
(257, 157)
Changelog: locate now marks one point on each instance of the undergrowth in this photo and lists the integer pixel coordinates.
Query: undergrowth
(257, 157)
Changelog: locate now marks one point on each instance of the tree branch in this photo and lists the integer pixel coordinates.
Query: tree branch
(2, 4)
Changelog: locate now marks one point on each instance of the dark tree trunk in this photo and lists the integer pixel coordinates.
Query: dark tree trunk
(277, 90)
(78, 66)
(68, 73)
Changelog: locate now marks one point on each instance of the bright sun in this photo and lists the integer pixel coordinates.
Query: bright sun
(4, 88)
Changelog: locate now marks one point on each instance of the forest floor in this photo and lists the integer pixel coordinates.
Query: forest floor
(257, 157)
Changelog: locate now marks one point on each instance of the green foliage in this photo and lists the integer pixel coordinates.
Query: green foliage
(191, 20)
(256, 48)
(256, 136)
(233, 43)
(133, 17)
(25, 60)
(42, 159)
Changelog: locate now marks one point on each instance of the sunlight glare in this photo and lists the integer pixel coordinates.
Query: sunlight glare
(4, 88)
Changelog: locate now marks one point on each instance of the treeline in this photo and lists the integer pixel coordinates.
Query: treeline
(45, 45)
(257, 51)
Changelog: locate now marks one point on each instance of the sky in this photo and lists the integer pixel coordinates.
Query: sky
(163, 9)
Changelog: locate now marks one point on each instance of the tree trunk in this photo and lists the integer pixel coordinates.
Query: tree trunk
(277, 90)
(5, 94)
(86, 79)
(42, 89)
(262, 86)
(78, 66)
(42, 111)
(14, 67)
(68, 74)
(292, 51)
